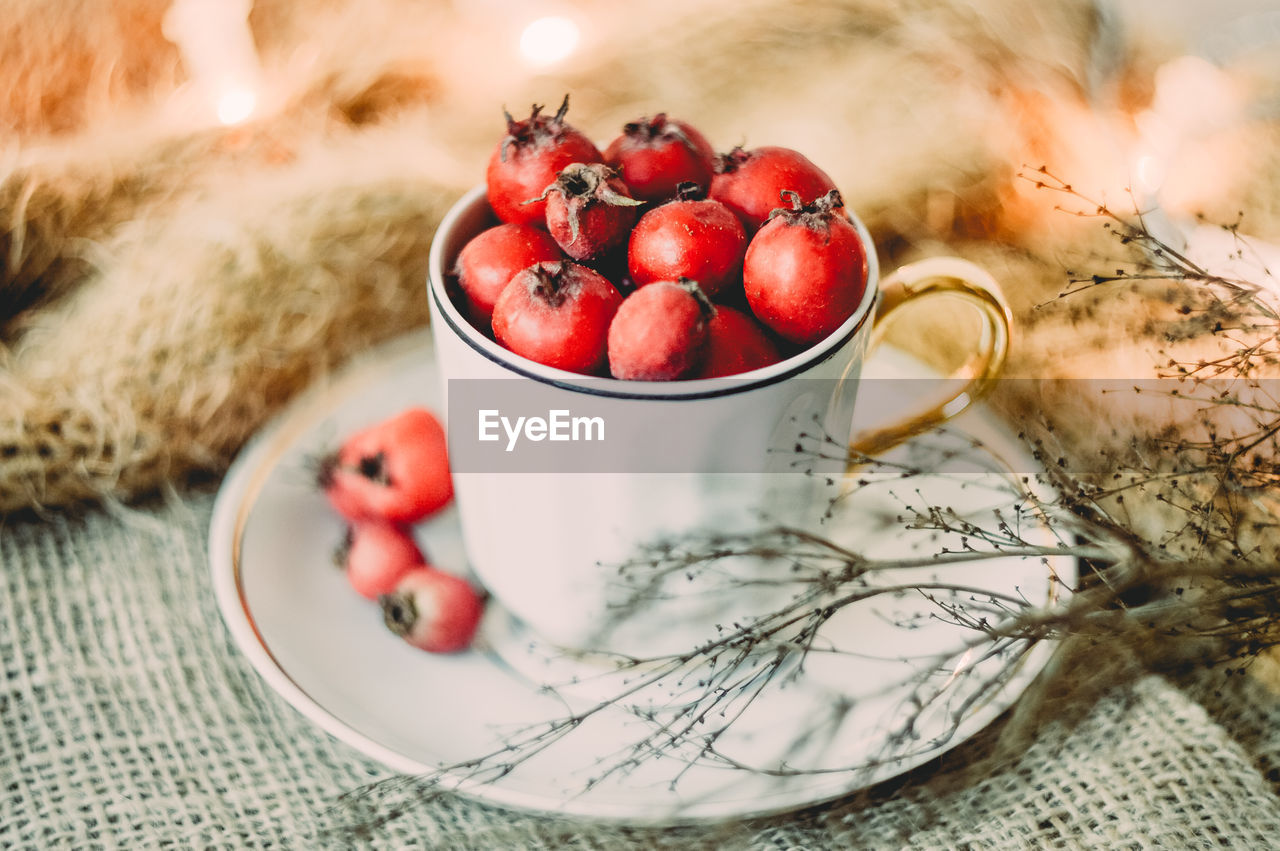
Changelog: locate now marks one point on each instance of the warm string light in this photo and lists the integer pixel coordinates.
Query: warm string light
(496, 47)
(219, 53)
(1194, 99)
(548, 40)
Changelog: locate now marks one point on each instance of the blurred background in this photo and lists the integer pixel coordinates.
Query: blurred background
(210, 204)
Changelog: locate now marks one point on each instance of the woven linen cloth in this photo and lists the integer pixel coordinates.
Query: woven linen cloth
(128, 719)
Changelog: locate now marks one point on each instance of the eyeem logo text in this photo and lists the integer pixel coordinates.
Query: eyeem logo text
(558, 426)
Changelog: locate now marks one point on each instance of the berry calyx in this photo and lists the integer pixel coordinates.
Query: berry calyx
(589, 210)
(814, 214)
(536, 129)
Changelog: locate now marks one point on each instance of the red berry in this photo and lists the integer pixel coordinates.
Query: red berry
(434, 611)
(751, 182)
(527, 159)
(557, 314)
(376, 556)
(396, 471)
(488, 262)
(735, 344)
(806, 270)
(589, 210)
(660, 332)
(695, 239)
(655, 155)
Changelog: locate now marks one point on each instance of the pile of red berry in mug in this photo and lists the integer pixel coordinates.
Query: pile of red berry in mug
(728, 263)
(658, 259)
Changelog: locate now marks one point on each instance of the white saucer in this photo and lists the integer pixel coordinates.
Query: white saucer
(326, 651)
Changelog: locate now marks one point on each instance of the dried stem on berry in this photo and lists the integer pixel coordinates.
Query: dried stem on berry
(343, 549)
(323, 468)
(687, 190)
(371, 467)
(656, 127)
(558, 118)
(810, 214)
(587, 183)
(648, 129)
(730, 162)
(815, 216)
(691, 286)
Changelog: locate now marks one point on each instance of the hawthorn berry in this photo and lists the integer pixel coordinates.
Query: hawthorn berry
(375, 556)
(660, 332)
(735, 344)
(806, 270)
(527, 160)
(432, 610)
(557, 314)
(656, 154)
(690, 237)
(589, 210)
(751, 183)
(395, 471)
(487, 263)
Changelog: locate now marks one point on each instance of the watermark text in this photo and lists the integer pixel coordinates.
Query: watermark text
(558, 425)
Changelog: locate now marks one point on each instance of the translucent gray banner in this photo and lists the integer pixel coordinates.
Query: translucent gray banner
(802, 426)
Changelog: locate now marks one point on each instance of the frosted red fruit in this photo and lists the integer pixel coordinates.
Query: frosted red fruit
(806, 270)
(395, 471)
(735, 344)
(688, 238)
(750, 182)
(589, 210)
(656, 154)
(527, 160)
(660, 332)
(375, 556)
(488, 262)
(557, 314)
(434, 611)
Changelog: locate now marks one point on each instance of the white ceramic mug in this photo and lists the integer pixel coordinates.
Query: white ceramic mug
(545, 541)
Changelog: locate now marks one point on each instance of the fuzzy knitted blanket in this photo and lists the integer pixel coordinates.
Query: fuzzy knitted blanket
(167, 283)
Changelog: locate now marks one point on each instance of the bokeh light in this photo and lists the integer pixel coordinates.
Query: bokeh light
(546, 41)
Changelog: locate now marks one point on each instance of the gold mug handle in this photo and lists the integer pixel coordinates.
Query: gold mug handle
(954, 278)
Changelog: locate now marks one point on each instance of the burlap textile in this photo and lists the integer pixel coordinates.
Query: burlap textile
(129, 720)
